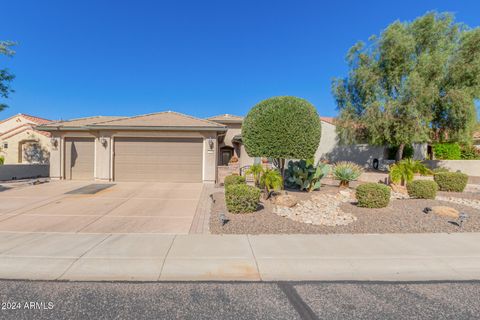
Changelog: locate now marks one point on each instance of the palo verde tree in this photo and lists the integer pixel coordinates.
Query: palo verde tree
(282, 128)
(5, 76)
(415, 82)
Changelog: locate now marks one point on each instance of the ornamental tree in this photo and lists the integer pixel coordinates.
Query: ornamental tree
(5, 76)
(282, 128)
(415, 82)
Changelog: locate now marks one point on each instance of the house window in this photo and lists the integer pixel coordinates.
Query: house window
(5, 145)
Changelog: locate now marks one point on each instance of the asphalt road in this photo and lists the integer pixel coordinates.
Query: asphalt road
(227, 300)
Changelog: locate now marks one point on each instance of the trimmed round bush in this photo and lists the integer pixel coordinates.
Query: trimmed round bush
(451, 181)
(373, 195)
(242, 198)
(233, 179)
(422, 189)
(282, 128)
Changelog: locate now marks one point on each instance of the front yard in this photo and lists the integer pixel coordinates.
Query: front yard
(400, 216)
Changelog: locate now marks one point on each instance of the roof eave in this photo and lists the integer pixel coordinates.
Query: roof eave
(156, 128)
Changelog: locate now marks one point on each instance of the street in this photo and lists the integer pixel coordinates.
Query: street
(239, 300)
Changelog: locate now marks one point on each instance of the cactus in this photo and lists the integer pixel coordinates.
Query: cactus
(305, 176)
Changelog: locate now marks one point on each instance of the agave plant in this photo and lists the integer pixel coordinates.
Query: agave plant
(346, 171)
(405, 170)
(305, 176)
(271, 180)
(256, 171)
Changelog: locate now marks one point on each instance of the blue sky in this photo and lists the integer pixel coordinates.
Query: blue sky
(82, 58)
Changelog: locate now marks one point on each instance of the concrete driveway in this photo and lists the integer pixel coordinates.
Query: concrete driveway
(128, 207)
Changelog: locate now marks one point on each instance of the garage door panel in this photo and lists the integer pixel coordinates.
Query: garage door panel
(158, 159)
(79, 158)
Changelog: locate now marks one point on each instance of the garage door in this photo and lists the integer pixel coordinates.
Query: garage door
(158, 159)
(79, 158)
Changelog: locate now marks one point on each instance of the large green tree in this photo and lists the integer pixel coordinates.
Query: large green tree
(282, 128)
(415, 82)
(5, 76)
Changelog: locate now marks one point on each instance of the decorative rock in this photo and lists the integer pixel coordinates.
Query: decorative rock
(474, 203)
(321, 209)
(446, 212)
(398, 192)
(285, 200)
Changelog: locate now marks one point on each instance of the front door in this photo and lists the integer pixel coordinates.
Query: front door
(226, 155)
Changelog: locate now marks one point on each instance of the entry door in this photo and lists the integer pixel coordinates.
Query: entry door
(79, 158)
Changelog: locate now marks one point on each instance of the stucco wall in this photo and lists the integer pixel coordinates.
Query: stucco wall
(23, 171)
(470, 167)
(13, 154)
(13, 123)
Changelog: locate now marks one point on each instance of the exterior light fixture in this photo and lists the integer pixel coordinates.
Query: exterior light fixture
(104, 142)
(211, 143)
(54, 142)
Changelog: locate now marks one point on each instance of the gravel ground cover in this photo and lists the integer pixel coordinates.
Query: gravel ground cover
(401, 216)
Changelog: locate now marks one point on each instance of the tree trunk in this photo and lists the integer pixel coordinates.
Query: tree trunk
(399, 154)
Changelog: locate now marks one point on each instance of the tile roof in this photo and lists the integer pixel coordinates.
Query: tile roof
(330, 120)
(160, 119)
(226, 117)
(34, 119)
(80, 122)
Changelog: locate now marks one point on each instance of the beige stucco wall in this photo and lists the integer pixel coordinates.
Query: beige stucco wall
(470, 167)
(104, 153)
(13, 123)
(13, 154)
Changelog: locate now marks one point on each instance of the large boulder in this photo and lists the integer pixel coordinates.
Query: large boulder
(445, 211)
(285, 200)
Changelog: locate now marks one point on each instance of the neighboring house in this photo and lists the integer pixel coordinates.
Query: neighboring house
(476, 139)
(21, 142)
(167, 146)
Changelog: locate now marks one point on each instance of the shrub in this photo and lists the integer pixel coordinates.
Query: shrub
(404, 170)
(256, 171)
(271, 180)
(373, 195)
(440, 169)
(233, 179)
(469, 153)
(2, 160)
(305, 176)
(346, 171)
(242, 198)
(422, 189)
(282, 128)
(451, 181)
(447, 151)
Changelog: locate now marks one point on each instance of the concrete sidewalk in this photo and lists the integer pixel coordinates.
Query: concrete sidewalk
(151, 257)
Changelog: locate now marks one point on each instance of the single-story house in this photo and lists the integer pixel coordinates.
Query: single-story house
(21, 142)
(167, 146)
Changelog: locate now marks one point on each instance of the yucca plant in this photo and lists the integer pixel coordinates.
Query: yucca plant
(271, 180)
(346, 171)
(256, 171)
(404, 171)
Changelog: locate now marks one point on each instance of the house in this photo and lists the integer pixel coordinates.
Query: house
(167, 146)
(21, 142)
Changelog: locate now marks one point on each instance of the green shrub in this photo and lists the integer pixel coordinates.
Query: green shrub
(271, 180)
(440, 169)
(2, 160)
(405, 170)
(451, 181)
(346, 171)
(373, 195)
(304, 175)
(282, 128)
(447, 151)
(469, 153)
(242, 198)
(422, 189)
(233, 179)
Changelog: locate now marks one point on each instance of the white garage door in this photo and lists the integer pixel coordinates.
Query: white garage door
(158, 159)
